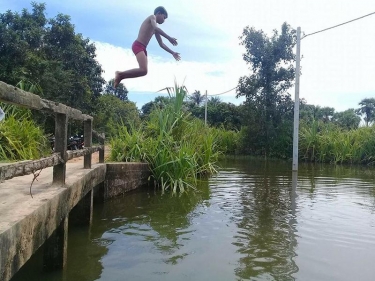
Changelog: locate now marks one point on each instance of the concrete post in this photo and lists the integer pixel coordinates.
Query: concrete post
(81, 214)
(101, 152)
(61, 142)
(88, 142)
(55, 248)
(205, 110)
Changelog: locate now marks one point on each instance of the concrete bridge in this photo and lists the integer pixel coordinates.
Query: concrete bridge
(38, 198)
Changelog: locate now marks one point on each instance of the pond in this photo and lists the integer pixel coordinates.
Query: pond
(254, 220)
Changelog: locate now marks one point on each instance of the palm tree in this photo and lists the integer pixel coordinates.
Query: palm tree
(197, 98)
(368, 109)
(214, 101)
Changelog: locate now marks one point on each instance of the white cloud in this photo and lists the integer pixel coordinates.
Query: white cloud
(194, 75)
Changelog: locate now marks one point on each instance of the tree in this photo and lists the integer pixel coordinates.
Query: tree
(214, 101)
(159, 102)
(367, 109)
(326, 113)
(197, 98)
(347, 119)
(272, 64)
(111, 112)
(120, 91)
(49, 53)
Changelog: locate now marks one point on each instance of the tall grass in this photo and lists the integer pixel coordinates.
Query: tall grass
(227, 140)
(20, 137)
(328, 143)
(178, 147)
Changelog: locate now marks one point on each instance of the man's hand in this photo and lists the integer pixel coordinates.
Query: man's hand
(173, 41)
(176, 56)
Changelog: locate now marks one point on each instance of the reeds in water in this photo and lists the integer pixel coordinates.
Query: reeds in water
(178, 147)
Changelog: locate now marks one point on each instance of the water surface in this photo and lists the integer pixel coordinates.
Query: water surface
(254, 220)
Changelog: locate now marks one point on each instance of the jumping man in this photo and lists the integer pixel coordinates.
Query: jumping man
(148, 28)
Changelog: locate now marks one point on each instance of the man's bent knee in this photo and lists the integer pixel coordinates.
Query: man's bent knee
(143, 71)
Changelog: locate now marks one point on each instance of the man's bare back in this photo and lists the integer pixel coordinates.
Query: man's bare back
(148, 28)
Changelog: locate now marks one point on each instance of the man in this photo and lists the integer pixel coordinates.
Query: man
(148, 28)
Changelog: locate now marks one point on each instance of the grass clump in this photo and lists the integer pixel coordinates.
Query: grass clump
(178, 147)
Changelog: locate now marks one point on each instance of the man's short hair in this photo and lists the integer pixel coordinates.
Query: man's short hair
(161, 10)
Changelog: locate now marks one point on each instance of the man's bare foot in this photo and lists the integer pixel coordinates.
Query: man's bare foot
(117, 79)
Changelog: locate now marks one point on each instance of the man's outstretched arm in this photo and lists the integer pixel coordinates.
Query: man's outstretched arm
(159, 31)
(165, 47)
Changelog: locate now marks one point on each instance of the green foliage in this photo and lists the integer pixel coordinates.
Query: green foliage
(111, 111)
(219, 114)
(227, 140)
(159, 102)
(120, 91)
(347, 120)
(20, 137)
(178, 148)
(327, 142)
(49, 53)
(127, 146)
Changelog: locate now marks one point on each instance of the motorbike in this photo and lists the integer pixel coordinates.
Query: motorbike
(74, 142)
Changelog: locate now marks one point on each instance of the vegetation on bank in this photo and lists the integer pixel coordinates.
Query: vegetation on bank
(325, 142)
(178, 147)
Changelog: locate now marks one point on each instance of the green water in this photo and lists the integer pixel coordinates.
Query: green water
(253, 221)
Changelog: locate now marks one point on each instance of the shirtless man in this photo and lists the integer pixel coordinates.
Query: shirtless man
(147, 30)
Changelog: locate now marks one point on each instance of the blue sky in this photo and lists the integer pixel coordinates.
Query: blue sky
(338, 66)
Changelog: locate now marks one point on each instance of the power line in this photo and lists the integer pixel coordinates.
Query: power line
(223, 92)
(338, 25)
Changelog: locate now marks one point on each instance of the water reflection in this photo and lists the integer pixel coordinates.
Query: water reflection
(167, 215)
(266, 219)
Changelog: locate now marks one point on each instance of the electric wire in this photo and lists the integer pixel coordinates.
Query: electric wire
(223, 92)
(337, 25)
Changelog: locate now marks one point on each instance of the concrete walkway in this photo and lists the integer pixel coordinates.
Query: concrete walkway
(15, 199)
(26, 222)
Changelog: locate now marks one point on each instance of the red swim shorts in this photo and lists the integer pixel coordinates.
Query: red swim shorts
(138, 47)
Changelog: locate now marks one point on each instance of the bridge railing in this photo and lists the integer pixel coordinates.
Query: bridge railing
(62, 113)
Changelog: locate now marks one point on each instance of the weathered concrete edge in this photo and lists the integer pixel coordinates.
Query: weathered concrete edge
(125, 176)
(14, 95)
(34, 229)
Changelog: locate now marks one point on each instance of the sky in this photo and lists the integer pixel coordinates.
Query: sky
(338, 65)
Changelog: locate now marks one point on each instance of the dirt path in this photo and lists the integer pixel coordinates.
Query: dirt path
(95, 156)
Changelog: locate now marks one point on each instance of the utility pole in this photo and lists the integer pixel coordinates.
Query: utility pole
(296, 103)
(205, 111)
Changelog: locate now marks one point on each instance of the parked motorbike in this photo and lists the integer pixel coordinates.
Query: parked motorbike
(74, 142)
